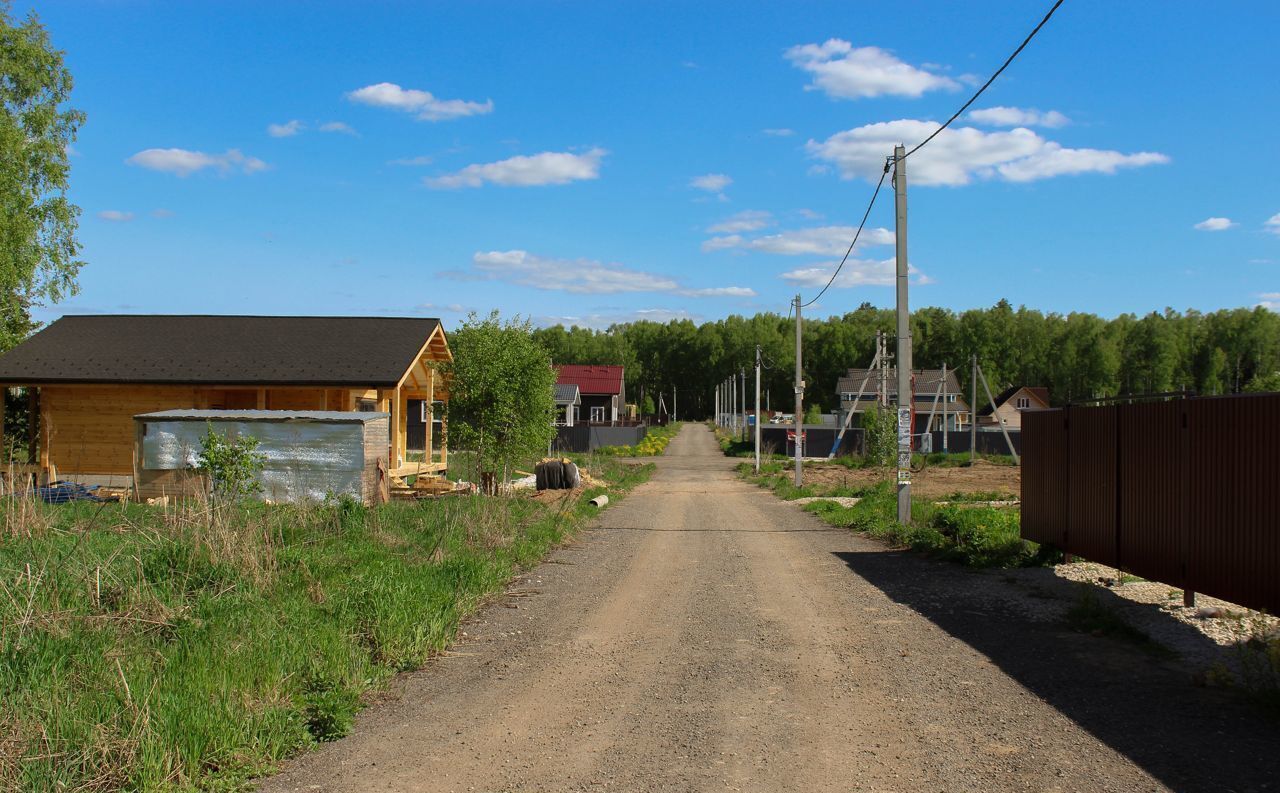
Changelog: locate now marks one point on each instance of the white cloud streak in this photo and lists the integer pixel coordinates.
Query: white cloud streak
(1270, 300)
(856, 272)
(1018, 117)
(958, 155)
(782, 132)
(547, 168)
(1272, 224)
(412, 161)
(711, 182)
(285, 130)
(424, 105)
(1215, 224)
(818, 241)
(601, 321)
(843, 71)
(115, 216)
(582, 276)
(338, 127)
(183, 162)
(748, 220)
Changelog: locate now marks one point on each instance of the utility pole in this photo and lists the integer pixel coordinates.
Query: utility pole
(799, 402)
(673, 403)
(904, 337)
(757, 408)
(733, 404)
(945, 399)
(743, 374)
(715, 407)
(973, 415)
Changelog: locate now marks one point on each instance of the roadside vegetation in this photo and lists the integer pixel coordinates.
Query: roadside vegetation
(193, 646)
(962, 530)
(653, 444)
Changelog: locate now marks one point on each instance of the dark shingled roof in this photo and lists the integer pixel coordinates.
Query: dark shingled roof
(206, 349)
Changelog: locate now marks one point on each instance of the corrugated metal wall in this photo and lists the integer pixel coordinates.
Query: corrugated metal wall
(1185, 491)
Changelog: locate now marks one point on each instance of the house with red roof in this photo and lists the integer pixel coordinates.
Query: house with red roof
(602, 390)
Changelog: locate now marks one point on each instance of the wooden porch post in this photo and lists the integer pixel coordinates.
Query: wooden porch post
(262, 399)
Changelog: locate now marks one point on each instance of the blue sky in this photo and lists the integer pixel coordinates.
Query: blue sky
(599, 162)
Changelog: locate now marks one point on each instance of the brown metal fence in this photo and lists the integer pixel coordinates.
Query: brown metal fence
(1185, 491)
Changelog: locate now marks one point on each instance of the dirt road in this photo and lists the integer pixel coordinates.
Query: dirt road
(704, 636)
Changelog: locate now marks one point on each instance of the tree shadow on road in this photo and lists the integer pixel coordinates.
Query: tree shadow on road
(1190, 738)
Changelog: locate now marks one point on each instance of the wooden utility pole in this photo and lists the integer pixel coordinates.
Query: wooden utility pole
(799, 427)
(904, 401)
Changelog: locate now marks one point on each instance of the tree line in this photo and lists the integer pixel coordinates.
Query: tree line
(1077, 356)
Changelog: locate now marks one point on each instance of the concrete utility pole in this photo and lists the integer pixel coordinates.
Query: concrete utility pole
(799, 427)
(945, 398)
(973, 415)
(743, 374)
(733, 404)
(904, 337)
(757, 408)
(673, 403)
(715, 406)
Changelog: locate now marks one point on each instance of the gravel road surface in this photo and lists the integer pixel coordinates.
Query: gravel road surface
(703, 636)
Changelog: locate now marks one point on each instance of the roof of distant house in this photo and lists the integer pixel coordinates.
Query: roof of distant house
(211, 349)
(591, 379)
(567, 394)
(926, 384)
(1039, 392)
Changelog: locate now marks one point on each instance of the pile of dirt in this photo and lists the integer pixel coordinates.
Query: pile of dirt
(932, 482)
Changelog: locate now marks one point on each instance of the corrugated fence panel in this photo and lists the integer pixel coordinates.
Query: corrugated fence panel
(1044, 481)
(1091, 476)
(1152, 489)
(1235, 499)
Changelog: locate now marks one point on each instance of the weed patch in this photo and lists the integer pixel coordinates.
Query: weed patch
(1090, 615)
(151, 648)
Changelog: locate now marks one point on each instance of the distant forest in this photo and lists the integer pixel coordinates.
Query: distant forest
(1077, 356)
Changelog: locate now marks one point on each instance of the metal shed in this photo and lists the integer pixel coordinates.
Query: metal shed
(309, 454)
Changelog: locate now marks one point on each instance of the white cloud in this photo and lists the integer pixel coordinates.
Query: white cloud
(818, 241)
(420, 160)
(604, 320)
(423, 104)
(960, 154)
(1273, 224)
(115, 215)
(285, 130)
(748, 220)
(581, 276)
(780, 133)
(337, 126)
(1270, 300)
(1215, 224)
(856, 272)
(184, 162)
(1019, 117)
(711, 182)
(526, 171)
(843, 71)
(162, 213)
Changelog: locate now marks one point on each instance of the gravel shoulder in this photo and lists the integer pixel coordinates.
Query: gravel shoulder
(705, 636)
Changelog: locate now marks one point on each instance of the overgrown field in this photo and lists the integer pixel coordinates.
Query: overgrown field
(190, 647)
(980, 536)
(653, 444)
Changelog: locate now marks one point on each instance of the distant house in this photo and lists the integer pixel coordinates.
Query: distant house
(568, 400)
(602, 390)
(88, 376)
(857, 387)
(1009, 406)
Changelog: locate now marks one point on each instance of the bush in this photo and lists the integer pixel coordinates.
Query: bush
(880, 436)
(232, 464)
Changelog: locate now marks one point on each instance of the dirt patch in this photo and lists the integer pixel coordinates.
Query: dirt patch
(932, 482)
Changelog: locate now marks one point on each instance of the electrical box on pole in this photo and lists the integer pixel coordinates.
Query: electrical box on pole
(905, 396)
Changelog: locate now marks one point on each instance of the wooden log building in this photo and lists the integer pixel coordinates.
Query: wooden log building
(88, 376)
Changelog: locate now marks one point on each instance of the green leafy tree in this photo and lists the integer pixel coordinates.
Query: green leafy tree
(38, 248)
(880, 436)
(232, 464)
(501, 392)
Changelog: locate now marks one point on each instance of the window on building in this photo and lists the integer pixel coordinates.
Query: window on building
(1024, 402)
(597, 415)
(366, 405)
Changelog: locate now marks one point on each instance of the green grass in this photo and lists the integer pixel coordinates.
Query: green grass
(653, 444)
(148, 649)
(972, 535)
(1090, 615)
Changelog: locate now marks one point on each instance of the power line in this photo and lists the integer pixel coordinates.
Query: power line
(989, 81)
(865, 215)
